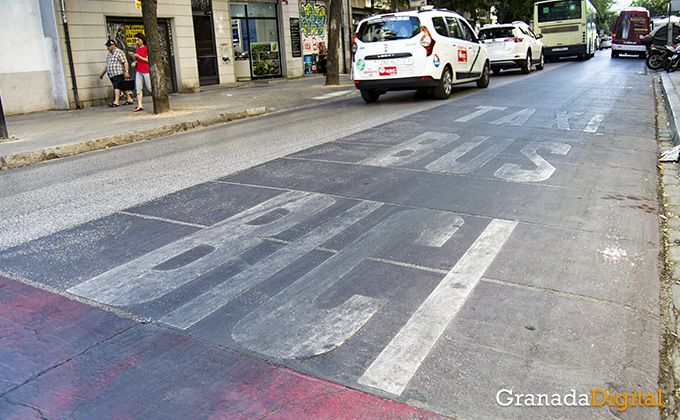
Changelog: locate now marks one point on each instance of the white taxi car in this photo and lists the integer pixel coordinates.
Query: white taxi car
(513, 45)
(422, 50)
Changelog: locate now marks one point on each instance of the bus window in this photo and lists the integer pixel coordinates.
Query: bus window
(559, 10)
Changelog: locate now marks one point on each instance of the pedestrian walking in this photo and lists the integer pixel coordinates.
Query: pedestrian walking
(117, 70)
(323, 58)
(142, 76)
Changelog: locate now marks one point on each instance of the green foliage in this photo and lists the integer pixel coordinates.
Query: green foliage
(511, 10)
(655, 7)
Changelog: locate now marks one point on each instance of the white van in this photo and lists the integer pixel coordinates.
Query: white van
(421, 50)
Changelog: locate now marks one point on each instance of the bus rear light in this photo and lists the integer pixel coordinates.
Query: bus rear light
(427, 42)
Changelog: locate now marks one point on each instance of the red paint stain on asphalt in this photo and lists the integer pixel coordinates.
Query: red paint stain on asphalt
(60, 359)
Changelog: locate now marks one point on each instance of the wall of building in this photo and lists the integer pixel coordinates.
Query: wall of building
(31, 75)
(35, 73)
(87, 28)
(225, 50)
(293, 66)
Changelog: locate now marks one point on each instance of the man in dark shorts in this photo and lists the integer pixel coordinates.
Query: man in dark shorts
(117, 70)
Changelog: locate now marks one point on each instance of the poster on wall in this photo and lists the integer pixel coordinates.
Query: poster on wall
(131, 31)
(265, 59)
(313, 26)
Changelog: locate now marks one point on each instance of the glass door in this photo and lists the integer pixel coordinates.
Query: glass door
(255, 34)
(204, 35)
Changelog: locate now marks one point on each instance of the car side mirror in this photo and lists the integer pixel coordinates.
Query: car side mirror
(539, 36)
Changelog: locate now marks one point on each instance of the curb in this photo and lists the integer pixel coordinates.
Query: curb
(669, 296)
(672, 103)
(28, 158)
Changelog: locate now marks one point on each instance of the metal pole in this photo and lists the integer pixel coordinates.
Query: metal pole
(3, 125)
(70, 56)
(670, 28)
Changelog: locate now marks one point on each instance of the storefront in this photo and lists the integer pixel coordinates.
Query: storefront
(255, 36)
(123, 30)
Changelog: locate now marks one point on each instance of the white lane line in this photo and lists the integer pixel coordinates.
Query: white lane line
(333, 94)
(397, 363)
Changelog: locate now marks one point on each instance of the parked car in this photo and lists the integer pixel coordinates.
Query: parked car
(421, 50)
(513, 45)
(606, 42)
(659, 36)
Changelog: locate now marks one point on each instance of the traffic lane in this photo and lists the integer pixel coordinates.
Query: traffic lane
(303, 269)
(492, 157)
(587, 210)
(531, 341)
(51, 196)
(71, 256)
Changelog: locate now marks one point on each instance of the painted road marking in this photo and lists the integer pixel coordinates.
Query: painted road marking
(292, 326)
(207, 303)
(481, 110)
(594, 123)
(333, 95)
(543, 170)
(397, 363)
(518, 119)
(168, 268)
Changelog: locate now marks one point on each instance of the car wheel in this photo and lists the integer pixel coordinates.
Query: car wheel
(541, 62)
(443, 90)
(483, 81)
(526, 66)
(370, 95)
(615, 54)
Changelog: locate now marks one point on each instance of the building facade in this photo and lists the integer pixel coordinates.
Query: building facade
(203, 43)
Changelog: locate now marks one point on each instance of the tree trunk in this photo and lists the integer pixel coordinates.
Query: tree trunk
(334, 33)
(159, 89)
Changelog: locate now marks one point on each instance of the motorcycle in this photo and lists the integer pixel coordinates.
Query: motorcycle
(673, 62)
(658, 56)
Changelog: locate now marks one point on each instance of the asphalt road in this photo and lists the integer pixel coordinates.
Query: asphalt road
(446, 254)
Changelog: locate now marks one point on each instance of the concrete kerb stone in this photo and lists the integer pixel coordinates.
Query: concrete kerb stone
(27, 158)
(672, 104)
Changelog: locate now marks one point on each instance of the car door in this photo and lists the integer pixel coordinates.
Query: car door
(534, 44)
(445, 52)
(469, 65)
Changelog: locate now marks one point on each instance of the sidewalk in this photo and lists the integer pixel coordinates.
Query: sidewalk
(668, 123)
(53, 134)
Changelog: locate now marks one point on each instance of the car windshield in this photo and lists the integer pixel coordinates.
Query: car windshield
(492, 33)
(387, 28)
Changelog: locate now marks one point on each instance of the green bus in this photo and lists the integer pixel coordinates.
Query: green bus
(568, 27)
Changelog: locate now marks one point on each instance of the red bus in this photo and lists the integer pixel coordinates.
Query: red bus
(632, 23)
